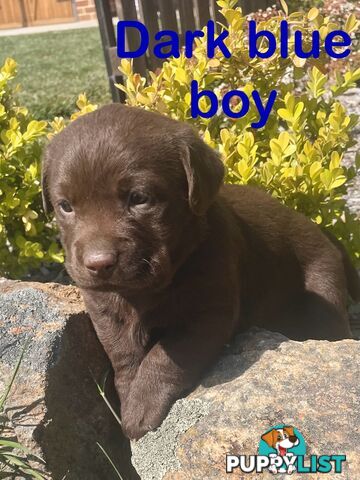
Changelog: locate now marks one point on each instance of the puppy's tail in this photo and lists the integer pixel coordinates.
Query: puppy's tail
(352, 276)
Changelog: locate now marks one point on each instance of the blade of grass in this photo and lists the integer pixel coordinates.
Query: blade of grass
(101, 391)
(6, 444)
(21, 465)
(110, 461)
(10, 384)
(15, 462)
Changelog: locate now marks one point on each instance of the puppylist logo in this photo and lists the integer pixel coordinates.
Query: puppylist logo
(282, 449)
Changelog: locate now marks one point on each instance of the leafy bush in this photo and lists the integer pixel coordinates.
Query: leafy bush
(334, 11)
(297, 155)
(339, 11)
(27, 237)
(304, 5)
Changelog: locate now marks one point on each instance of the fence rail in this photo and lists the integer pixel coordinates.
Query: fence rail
(177, 15)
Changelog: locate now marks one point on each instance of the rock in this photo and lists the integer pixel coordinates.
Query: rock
(54, 408)
(261, 381)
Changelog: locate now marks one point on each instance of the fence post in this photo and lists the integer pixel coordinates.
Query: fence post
(108, 39)
(150, 13)
(187, 18)
(203, 9)
(129, 12)
(168, 15)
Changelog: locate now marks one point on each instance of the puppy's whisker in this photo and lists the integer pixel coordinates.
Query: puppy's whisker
(150, 265)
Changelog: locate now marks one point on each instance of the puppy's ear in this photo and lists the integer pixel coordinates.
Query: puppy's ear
(289, 431)
(270, 438)
(204, 171)
(45, 168)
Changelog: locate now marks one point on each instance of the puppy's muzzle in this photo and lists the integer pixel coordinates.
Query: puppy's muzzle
(100, 263)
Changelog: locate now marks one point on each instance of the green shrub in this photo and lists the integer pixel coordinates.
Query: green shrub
(297, 155)
(27, 236)
(339, 11)
(304, 5)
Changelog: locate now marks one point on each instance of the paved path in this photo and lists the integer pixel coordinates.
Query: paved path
(48, 28)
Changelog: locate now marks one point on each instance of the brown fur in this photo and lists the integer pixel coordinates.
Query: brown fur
(193, 264)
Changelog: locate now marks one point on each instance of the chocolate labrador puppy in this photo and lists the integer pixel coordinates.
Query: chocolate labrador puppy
(171, 262)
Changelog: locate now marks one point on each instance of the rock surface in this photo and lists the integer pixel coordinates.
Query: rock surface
(54, 408)
(261, 381)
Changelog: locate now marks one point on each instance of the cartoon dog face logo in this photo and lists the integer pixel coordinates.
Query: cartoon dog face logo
(281, 439)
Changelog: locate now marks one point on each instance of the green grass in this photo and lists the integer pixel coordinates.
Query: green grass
(54, 67)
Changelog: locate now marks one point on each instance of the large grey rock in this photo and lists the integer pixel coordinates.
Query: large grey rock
(54, 408)
(261, 381)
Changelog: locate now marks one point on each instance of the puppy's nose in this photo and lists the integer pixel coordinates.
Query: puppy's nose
(100, 262)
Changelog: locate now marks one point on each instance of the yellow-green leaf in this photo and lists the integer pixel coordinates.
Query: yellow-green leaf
(313, 13)
(284, 7)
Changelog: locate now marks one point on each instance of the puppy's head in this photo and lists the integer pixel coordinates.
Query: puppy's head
(128, 188)
(281, 437)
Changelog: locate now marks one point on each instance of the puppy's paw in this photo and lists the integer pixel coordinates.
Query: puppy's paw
(291, 469)
(134, 427)
(273, 469)
(140, 417)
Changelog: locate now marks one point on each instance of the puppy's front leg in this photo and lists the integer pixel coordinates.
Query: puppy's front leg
(123, 341)
(172, 366)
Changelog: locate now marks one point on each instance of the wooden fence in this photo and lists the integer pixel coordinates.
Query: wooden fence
(177, 15)
(23, 13)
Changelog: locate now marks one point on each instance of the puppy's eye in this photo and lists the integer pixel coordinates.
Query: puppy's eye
(138, 198)
(65, 206)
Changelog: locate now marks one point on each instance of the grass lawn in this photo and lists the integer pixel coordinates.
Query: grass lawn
(54, 67)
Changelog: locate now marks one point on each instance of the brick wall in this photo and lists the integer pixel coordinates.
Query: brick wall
(85, 9)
